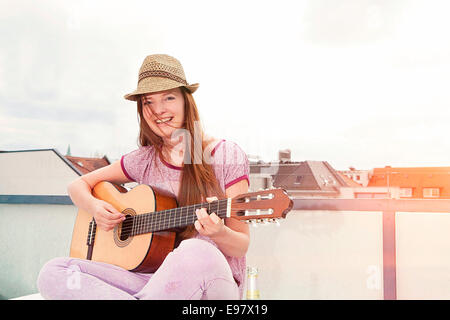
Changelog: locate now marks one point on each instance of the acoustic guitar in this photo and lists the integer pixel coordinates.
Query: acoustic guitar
(141, 242)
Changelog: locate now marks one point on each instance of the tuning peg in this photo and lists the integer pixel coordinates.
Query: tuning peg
(276, 222)
(266, 222)
(254, 224)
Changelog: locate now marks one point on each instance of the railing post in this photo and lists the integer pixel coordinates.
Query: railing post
(389, 256)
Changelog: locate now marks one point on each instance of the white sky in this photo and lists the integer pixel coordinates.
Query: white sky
(352, 82)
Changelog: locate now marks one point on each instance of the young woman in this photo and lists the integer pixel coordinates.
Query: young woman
(176, 158)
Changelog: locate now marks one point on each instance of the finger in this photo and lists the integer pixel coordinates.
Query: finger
(198, 214)
(109, 207)
(198, 226)
(201, 213)
(214, 218)
(116, 221)
(106, 219)
(109, 223)
(113, 211)
(204, 219)
(204, 215)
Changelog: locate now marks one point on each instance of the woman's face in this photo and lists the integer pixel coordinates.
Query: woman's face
(164, 111)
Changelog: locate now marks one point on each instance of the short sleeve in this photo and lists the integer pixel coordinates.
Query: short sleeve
(134, 163)
(236, 165)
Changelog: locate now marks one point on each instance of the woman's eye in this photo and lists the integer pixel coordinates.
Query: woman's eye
(170, 98)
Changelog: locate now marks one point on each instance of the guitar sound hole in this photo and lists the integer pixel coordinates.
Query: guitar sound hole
(127, 225)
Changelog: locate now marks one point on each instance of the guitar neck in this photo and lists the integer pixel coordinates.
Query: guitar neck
(174, 218)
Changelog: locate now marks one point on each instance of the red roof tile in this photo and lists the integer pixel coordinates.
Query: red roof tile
(86, 165)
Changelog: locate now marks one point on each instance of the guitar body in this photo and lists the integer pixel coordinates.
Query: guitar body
(138, 253)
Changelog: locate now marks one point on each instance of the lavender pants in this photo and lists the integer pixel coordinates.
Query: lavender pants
(196, 270)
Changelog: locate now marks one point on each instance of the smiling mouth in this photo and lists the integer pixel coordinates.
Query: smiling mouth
(163, 121)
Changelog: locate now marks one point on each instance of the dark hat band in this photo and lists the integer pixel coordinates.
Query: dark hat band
(162, 74)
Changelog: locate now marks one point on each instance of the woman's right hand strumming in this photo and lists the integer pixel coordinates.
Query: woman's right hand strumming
(105, 215)
(80, 191)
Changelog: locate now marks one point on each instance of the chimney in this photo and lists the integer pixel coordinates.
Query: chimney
(284, 155)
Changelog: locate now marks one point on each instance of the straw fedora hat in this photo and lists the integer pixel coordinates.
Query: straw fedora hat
(160, 72)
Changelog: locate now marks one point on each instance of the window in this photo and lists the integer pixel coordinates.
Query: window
(431, 192)
(298, 180)
(406, 192)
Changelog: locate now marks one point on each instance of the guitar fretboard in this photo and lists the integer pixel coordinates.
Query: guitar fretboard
(171, 218)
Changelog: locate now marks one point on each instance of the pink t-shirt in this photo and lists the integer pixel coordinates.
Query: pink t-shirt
(230, 164)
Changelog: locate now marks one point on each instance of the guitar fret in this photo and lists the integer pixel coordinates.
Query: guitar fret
(165, 220)
(169, 225)
(138, 223)
(174, 218)
(152, 218)
(145, 224)
(218, 206)
(150, 222)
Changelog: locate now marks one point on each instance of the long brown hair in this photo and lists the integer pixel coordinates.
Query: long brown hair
(198, 179)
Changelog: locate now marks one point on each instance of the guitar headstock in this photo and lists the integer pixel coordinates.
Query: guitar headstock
(262, 206)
